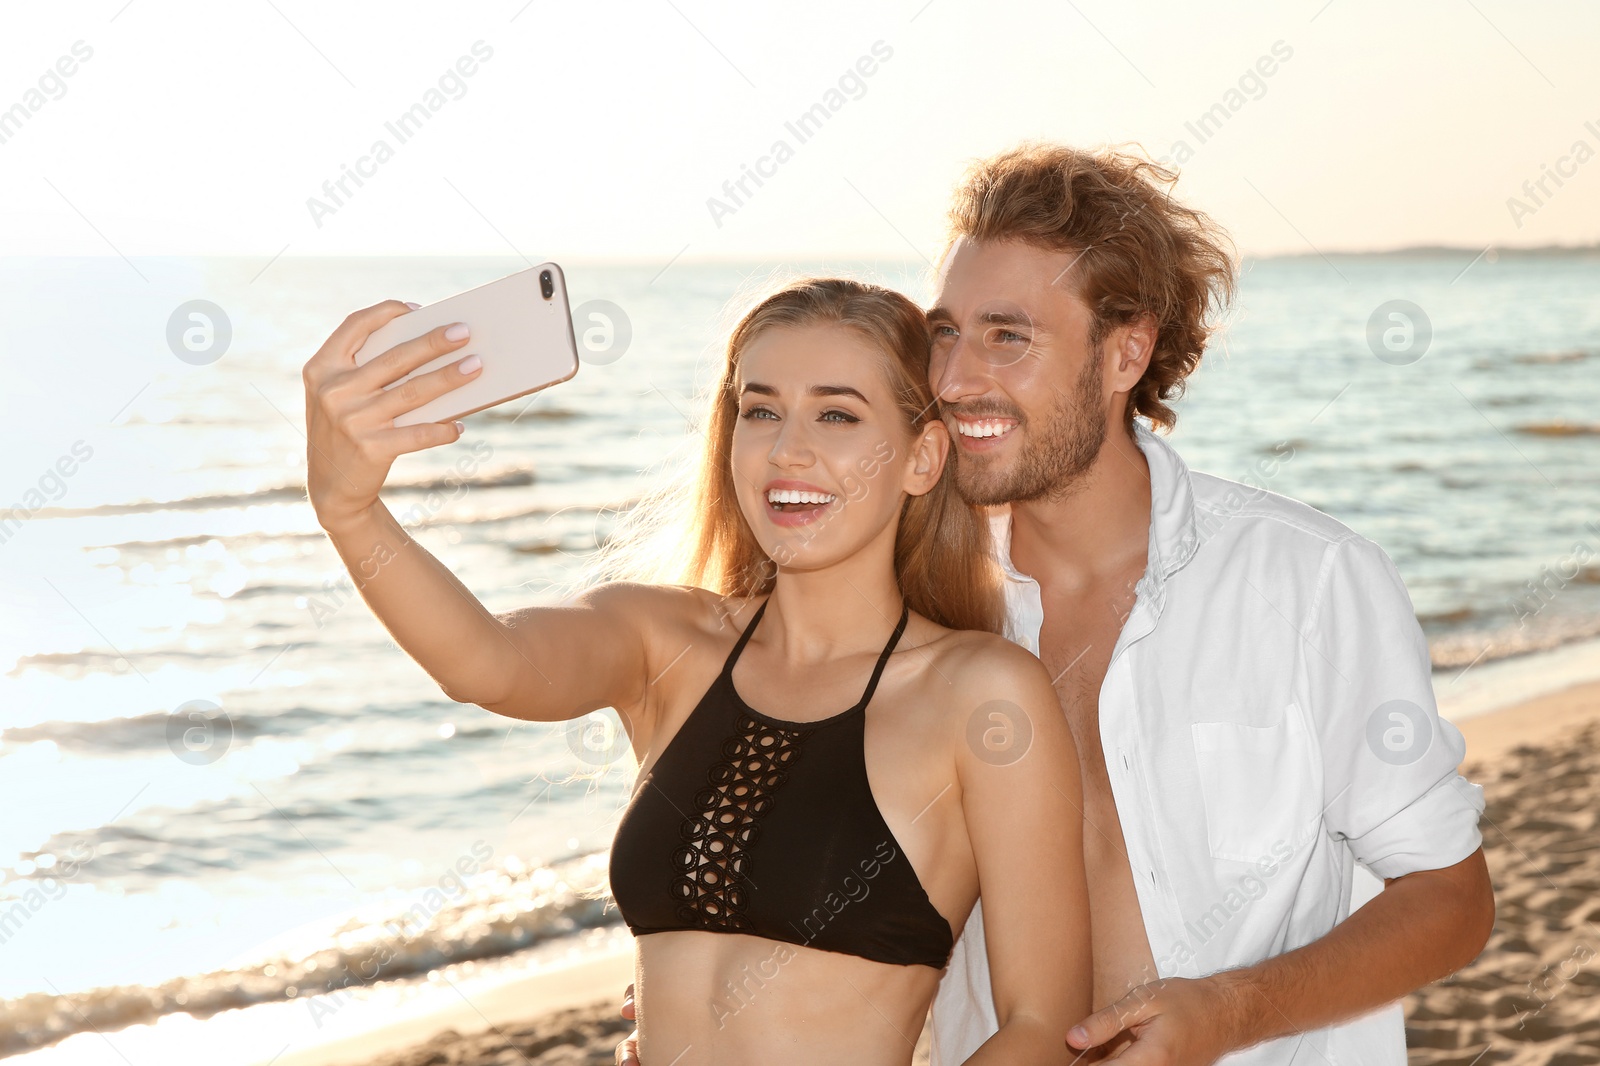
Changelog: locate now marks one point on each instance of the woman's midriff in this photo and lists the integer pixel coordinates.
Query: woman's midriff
(711, 998)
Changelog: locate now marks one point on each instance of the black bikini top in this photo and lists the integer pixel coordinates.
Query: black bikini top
(751, 824)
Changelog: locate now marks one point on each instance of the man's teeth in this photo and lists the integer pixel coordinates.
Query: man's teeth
(989, 427)
(797, 496)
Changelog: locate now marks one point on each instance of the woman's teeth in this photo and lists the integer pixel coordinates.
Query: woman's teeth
(989, 427)
(779, 496)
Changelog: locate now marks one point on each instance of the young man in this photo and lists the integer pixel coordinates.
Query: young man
(1245, 676)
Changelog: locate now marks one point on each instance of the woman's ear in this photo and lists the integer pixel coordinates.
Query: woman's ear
(929, 451)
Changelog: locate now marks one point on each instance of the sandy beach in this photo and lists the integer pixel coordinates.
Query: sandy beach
(1529, 1000)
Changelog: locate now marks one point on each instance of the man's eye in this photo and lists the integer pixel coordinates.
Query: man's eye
(1006, 336)
(944, 331)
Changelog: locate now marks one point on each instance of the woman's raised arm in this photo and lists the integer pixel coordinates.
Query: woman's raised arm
(540, 663)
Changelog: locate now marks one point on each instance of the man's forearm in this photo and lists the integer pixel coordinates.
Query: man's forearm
(1420, 928)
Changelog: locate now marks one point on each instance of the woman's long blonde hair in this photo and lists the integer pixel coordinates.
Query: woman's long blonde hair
(690, 531)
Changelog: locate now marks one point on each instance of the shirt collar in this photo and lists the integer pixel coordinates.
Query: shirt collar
(1173, 536)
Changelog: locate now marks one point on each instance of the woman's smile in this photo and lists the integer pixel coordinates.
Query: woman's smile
(795, 503)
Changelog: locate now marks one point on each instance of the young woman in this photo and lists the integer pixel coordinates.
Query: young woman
(836, 747)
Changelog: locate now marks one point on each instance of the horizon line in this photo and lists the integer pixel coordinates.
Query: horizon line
(636, 260)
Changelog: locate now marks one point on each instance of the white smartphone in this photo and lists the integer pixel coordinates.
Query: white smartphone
(521, 329)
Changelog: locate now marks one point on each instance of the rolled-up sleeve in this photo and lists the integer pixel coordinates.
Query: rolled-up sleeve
(1390, 783)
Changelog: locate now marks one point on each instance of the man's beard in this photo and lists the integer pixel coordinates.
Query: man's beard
(1057, 450)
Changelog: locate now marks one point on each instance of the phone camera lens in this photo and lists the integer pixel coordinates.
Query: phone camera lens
(547, 284)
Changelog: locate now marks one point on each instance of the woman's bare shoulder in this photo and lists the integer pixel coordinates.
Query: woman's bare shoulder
(976, 663)
(993, 694)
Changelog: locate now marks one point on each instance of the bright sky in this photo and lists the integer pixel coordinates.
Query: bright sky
(601, 130)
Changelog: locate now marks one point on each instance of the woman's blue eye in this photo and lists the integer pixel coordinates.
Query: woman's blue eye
(756, 412)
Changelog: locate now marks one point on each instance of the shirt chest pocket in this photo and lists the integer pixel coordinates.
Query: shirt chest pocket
(1260, 786)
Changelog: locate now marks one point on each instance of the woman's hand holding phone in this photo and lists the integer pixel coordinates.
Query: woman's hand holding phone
(351, 438)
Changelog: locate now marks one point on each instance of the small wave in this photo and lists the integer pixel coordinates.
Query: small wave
(233, 539)
(294, 491)
(1464, 647)
(238, 540)
(1560, 429)
(543, 547)
(1550, 358)
(149, 731)
(1451, 617)
(269, 589)
(500, 910)
(552, 414)
(96, 660)
(554, 547)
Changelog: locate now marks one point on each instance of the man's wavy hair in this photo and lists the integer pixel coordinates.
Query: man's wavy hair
(1139, 251)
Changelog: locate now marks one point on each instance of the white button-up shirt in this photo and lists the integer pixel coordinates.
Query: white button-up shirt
(1268, 723)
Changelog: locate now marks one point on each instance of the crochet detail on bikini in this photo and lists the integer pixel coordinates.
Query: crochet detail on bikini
(709, 875)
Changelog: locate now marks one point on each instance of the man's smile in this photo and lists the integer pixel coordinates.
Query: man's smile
(978, 434)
